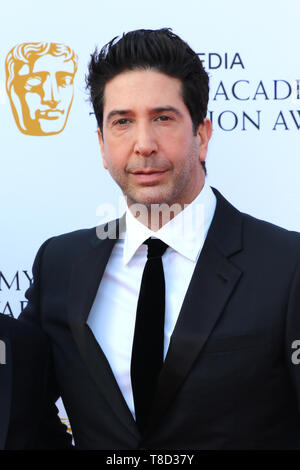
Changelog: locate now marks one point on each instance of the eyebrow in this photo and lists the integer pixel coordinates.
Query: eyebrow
(160, 109)
(117, 112)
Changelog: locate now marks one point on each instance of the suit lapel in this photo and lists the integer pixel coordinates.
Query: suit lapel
(86, 277)
(5, 392)
(212, 283)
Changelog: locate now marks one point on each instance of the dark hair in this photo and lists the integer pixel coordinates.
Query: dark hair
(161, 50)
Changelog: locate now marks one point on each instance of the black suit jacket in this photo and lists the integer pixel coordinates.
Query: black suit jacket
(228, 381)
(28, 415)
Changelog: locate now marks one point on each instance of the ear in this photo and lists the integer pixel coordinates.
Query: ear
(101, 143)
(204, 133)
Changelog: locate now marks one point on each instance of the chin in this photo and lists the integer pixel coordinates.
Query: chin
(148, 201)
(149, 197)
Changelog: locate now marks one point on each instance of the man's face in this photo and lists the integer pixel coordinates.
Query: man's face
(148, 144)
(43, 95)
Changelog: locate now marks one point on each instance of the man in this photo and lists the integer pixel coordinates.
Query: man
(212, 368)
(28, 416)
(40, 86)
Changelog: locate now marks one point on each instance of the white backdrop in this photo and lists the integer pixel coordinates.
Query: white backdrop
(54, 184)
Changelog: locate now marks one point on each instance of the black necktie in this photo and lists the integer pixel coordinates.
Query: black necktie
(148, 342)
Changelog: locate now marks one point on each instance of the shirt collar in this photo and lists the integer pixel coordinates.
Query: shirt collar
(185, 233)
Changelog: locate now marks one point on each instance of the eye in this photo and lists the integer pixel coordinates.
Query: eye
(65, 81)
(163, 118)
(122, 122)
(32, 83)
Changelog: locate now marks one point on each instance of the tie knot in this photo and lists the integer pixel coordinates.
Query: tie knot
(155, 247)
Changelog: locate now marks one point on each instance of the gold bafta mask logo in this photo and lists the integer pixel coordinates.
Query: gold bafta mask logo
(39, 83)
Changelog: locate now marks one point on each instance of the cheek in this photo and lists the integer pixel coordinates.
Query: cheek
(116, 152)
(33, 101)
(175, 148)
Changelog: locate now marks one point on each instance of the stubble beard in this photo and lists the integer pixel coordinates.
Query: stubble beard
(175, 190)
(156, 194)
(175, 193)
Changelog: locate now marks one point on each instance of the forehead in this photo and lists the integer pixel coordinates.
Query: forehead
(49, 63)
(149, 88)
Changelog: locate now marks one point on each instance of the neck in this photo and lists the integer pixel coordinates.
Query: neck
(155, 216)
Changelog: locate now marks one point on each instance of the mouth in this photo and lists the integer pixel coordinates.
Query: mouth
(149, 175)
(50, 114)
(148, 171)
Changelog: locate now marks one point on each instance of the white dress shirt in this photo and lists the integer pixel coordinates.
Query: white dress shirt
(112, 316)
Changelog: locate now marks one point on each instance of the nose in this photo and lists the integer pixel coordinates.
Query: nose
(145, 141)
(51, 92)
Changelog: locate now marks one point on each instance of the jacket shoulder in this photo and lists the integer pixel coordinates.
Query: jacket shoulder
(268, 233)
(76, 243)
(233, 227)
